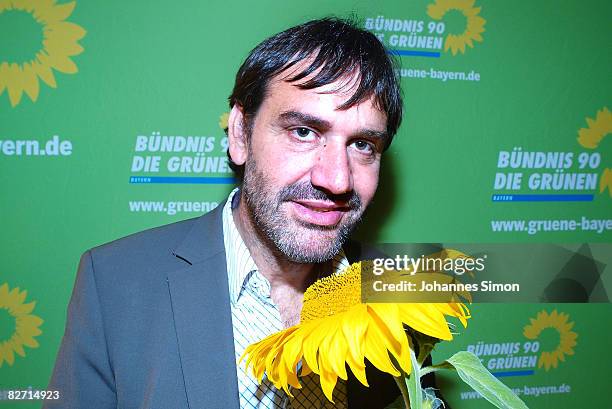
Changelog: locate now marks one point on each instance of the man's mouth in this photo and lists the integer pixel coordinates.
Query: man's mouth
(318, 212)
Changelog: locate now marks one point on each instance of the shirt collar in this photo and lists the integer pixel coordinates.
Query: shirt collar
(238, 257)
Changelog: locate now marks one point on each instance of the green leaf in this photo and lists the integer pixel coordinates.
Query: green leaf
(471, 371)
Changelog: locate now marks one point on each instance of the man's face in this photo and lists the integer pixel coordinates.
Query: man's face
(310, 169)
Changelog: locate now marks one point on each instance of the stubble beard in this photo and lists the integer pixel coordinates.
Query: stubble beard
(298, 241)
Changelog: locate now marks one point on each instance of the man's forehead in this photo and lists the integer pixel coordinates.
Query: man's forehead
(341, 89)
(347, 83)
(324, 103)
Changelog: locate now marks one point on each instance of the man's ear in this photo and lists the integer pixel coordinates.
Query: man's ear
(237, 136)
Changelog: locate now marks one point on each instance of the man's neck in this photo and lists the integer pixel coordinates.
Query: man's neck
(280, 272)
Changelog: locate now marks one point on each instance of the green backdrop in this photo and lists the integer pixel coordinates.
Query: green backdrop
(504, 140)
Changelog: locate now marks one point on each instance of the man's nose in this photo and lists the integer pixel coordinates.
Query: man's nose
(332, 171)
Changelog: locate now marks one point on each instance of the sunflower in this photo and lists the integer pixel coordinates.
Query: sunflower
(591, 137)
(26, 325)
(336, 329)
(223, 119)
(605, 182)
(597, 129)
(567, 337)
(60, 41)
(474, 26)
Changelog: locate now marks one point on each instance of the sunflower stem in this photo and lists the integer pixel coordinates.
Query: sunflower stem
(401, 384)
(434, 368)
(414, 383)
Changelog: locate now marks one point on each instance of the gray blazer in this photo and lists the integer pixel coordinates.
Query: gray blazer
(149, 326)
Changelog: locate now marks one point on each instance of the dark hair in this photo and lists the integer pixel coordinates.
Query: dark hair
(338, 47)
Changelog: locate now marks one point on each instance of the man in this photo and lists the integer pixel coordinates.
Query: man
(157, 319)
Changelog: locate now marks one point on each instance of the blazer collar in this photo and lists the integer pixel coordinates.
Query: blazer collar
(204, 239)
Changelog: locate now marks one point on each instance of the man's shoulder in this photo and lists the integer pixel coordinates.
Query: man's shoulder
(154, 248)
(151, 239)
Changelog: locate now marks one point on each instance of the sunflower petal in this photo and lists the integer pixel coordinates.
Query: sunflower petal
(59, 12)
(30, 82)
(399, 347)
(316, 333)
(336, 351)
(44, 72)
(354, 328)
(425, 318)
(14, 82)
(389, 314)
(328, 380)
(357, 369)
(3, 83)
(292, 352)
(376, 351)
(66, 31)
(60, 63)
(22, 309)
(58, 46)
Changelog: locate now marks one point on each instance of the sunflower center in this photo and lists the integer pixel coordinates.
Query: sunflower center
(455, 22)
(549, 339)
(332, 295)
(7, 325)
(21, 36)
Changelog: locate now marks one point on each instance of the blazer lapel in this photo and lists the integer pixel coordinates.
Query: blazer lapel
(202, 316)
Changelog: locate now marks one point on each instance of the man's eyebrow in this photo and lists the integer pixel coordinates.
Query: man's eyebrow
(371, 133)
(304, 119)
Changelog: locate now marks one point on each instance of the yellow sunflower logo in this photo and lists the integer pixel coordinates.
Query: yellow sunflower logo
(223, 119)
(474, 23)
(597, 129)
(25, 324)
(591, 137)
(567, 337)
(605, 181)
(59, 43)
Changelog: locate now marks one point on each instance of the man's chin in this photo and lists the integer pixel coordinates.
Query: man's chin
(312, 244)
(309, 255)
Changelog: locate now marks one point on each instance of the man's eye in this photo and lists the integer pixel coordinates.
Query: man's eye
(363, 146)
(303, 133)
